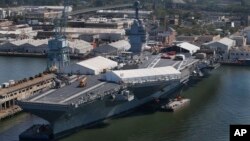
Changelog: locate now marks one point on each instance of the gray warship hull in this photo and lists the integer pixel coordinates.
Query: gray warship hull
(66, 119)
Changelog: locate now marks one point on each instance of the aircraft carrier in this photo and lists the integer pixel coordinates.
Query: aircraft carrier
(142, 78)
(71, 106)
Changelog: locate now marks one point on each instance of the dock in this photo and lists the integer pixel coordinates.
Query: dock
(9, 112)
(21, 89)
(37, 55)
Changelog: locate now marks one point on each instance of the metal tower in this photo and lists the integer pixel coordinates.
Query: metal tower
(58, 51)
(137, 7)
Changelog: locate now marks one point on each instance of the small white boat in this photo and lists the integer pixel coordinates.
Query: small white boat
(175, 104)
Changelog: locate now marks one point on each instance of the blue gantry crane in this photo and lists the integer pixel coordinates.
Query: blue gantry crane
(58, 47)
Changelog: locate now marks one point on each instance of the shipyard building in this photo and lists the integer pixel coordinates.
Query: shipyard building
(41, 46)
(114, 23)
(183, 47)
(87, 34)
(16, 31)
(113, 48)
(221, 47)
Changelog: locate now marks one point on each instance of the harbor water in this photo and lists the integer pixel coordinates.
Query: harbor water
(216, 102)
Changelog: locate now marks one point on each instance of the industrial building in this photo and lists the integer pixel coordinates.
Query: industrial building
(114, 23)
(26, 45)
(223, 44)
(43, 12)
(221, 47)
(46, 8)
(88, 34)
(5, 23)
(168, 37)
(79, 47)
(207, 38)
(123, 13)
(43, 15)
(190, 39)
(112, 48)
(242, 53)
(4, 13)
(248, 37)
(88, 24)
(41, 46)
(239, 40)
(91, 66)
(183, 47)
(17, 31)
(165, 36)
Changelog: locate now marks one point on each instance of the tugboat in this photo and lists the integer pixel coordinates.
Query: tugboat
(175, 104)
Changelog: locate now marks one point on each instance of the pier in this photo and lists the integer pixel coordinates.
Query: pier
(11, 92)
(38, 55)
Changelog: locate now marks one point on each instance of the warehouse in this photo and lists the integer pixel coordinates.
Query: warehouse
(112, 48)
(87, 34)
(221, 47)
(183, 47)
(79, 47)
(41, 46)
(91, 66)
(143, 75)
(224, 44)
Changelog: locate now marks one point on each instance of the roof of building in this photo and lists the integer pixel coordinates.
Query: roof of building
(179, 1)
(241, 49)
(187, 46)
(105, 49)
(186, 38)
(112, 47)
(124, 12)
(121, 45)
(98, 63)
(94, 30)
(79, 44)
(36, 43)
(236, 37)
(165, 34)
(10, 32)
(226, 41)
(171, 29)
(19, 42)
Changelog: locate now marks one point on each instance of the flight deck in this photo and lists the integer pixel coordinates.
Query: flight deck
(96, 87)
